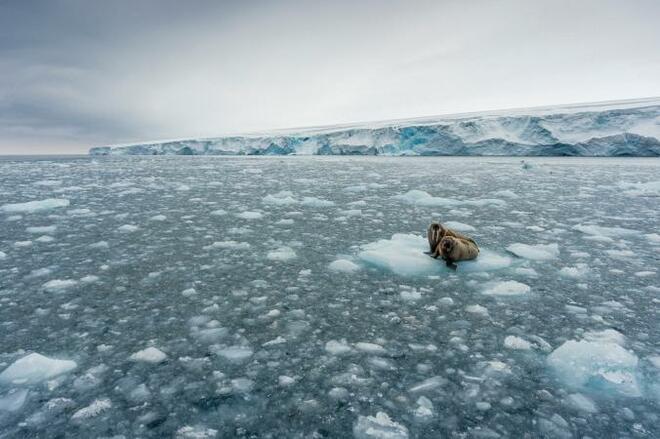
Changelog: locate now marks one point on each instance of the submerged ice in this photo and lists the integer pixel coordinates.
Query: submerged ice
(271, 297)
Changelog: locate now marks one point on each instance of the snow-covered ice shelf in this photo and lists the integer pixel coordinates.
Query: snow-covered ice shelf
(270, 297)
(623, 128)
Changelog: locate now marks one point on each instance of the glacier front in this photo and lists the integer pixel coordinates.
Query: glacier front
(609, 129)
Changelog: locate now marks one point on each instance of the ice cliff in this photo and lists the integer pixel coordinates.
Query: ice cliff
(621, 128)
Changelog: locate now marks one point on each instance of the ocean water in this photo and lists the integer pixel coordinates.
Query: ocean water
(290, 297)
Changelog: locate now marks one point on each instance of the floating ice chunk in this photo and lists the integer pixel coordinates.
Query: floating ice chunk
(100, 244)
(90, 278)
(506, 288)
(42, 229)
(281, 254)
(410, 295)
(609, 232)
(45, 238)
(654, 360)
(219, 212)
(506, 193)
(58, 285)
(195, 432)
(282, 198)
(597, 365)
(404, 255)
(13, 400)
(21, 244)
(284, 380)
(316, 202)
(378, 427)
(477, 309)
(455, 225)
(334, 347)
(653, 237)
(242, 385)
(582, 403)
(158, 218)
(606, 336)
(232, 245)
(235, 353)
(35, 206)
(248, 215)
(3, 255)
(538, 252)
(128, 228)
(344, 265)
(428, 384)
(424, 408)
(149, 355)
(370, 348)
(620, 254)
(277, 340)
(97, 407)
(516, 343)
(48, 183)
(576, 272)
(34, 368)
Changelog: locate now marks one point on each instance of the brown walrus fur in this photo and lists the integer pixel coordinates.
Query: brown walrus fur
(437, 231)
(454, 249)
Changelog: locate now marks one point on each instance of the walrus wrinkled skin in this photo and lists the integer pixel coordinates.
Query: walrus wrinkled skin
(454, 249)
(437, 231)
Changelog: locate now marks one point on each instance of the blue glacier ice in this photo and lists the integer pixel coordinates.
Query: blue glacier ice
(610, 129)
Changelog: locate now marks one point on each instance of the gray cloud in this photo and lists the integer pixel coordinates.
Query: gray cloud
(79, 73)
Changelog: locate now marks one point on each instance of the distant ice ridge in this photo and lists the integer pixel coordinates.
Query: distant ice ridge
(622, 128)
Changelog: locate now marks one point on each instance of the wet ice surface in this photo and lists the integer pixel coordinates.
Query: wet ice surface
(276, 297)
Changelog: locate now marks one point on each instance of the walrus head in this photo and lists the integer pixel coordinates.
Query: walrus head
(447, 244)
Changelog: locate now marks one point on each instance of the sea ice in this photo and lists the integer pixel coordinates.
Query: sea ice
(13, 400)
(35, 368)
(344, 265)
(378, 427)
(281, 254)
(35, 206)
(149, 355)
(97, 407)
(538, 252)
(506, 288)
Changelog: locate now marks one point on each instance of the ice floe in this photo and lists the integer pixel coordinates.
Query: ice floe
(34, 368)
(35, 206)
(538, 252)
(149, 355)
(378, 427)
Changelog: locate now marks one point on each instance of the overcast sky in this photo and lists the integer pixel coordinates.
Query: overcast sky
(81, 73)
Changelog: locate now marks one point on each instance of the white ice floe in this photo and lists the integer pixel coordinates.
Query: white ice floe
(281, 254)
(195, 432)
(460, 227)
(249, 215)
(516, 343)
(35, 368)
(599, 362)
(370, 348)
(608, 232)
(149, 355)
(649, 189)
(378, 427)
(35, 206)
(13, 400)
(219, 212)
(424, 199)
(428, 384)
(158, 218)
(97, 407)
(3, 255)
(404, 255)
(41, 229)
(538, 252)
(344, 265)
(127, 228)
(235, 353)
(582, 403)
(506, 288)
(316, 202)
(477, 309)
(334, 347)
(282, 198)
(231, 245)
(58, 285)
(576, 272)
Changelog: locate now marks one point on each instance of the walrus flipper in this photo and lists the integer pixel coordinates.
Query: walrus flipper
(451, 264)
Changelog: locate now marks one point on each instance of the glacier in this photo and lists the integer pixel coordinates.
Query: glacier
(608, 129)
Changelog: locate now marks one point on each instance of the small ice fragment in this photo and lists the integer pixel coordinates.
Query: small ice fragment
(195, 432)
(250, 215)
(284, 380)
(477, 309)
(506, 288)
(281, 254)
(128, 228)
(378, 427)
(370, 348)
(517, 343)
(235, 353)
(158, 218)
(35, 206)
(429, 384)
(58, 285)
(34, 368)
(149, 355)
(538, 252)
(94, 409)
(334, 347)
(13, 400)
(344, 265)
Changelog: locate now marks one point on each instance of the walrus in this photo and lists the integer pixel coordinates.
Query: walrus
(453, 249)
(437, 231)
